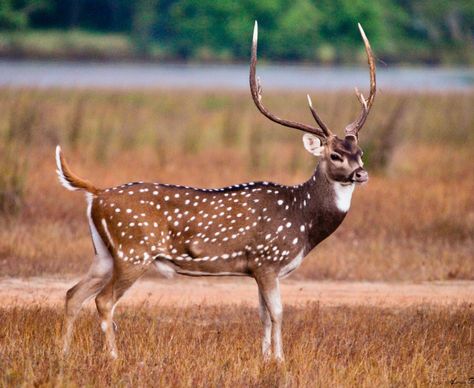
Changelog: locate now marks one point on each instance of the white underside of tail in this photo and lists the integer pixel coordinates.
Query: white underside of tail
(60, 172)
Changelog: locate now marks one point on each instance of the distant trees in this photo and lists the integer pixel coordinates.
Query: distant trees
(308, 30)
(14, 14)
(144, 17)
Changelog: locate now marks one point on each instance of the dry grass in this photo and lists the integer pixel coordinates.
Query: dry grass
(413, 221)
(220, 346)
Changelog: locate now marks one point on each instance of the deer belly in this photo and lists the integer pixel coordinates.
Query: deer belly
(198, 258)
(230, 267)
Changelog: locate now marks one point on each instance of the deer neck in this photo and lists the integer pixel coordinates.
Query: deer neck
(325, 204)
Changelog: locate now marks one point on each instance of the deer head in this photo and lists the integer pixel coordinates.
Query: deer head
(341, 159)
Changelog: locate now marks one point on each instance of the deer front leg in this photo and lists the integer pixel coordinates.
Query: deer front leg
(269, 288)
(267, 327)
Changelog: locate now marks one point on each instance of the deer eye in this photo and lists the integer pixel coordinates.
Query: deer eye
(336, 157)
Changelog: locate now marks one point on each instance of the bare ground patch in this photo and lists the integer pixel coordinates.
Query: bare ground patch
(50, 292)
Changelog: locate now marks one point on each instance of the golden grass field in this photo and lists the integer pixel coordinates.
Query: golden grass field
(217, 346)
(413, 222)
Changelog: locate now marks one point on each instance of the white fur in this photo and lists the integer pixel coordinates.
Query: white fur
(343, 196)
(313, 144)
(168, 270)
(104, 261)
(276, 308)
(267, 326)
(201, 273)
(165, 269)
(292, 265)
(104, 224)
(60, 172)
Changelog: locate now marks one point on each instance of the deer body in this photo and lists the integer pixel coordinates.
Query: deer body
(234, 230)
(257, 229)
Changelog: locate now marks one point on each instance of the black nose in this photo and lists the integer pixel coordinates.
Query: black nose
(361, 176)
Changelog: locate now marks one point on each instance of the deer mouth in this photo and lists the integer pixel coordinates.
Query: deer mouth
(361, 181)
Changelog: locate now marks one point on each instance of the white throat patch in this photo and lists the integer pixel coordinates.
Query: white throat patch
(343, 195)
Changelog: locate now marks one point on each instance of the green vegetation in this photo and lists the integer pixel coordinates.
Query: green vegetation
(324, 31)
(73, 44)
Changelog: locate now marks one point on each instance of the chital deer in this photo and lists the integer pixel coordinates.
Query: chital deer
(257, 229)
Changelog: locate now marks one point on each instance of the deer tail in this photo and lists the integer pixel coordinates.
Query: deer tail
(68, 179)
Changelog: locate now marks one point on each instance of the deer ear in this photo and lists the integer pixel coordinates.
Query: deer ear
(313, 144)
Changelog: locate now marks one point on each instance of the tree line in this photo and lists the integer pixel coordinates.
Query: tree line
(324, 31)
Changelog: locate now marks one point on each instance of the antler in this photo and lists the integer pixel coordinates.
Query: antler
(256, 90)
(354, 128)
(326, 130)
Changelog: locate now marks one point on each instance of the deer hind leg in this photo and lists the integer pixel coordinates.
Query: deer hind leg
(267, 327)
(122, 279)
(97, 277)
(99, 274)
(269, 288)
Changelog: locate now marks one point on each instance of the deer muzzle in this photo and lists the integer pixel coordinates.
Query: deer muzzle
(359, 175)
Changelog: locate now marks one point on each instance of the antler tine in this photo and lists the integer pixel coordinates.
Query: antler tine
(256, 91)
(371, 62)
(354, 128)
(361, 99)
(323, 126)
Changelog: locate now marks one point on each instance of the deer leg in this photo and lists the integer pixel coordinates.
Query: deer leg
(104, 303)
(107, 299)
(99, 273)
(267, 327)
(269, 288)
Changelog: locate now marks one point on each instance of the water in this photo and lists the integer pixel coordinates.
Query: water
(234, 77)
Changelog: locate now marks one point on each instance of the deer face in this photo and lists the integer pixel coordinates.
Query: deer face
(341, 158)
